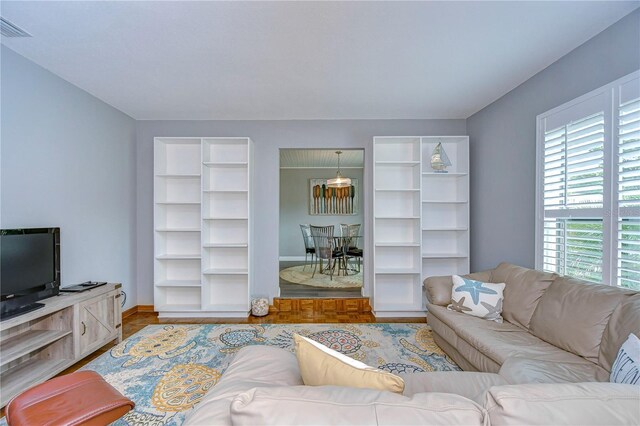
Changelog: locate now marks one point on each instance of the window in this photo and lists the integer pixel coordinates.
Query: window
(588, 186)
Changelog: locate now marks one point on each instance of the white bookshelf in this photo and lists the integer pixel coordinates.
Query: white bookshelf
(421, 219)
(397, 208)
(202, 225)
(445, 208)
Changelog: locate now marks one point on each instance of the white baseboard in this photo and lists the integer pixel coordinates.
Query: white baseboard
(293, 258)
(208, 314)
(400, 314)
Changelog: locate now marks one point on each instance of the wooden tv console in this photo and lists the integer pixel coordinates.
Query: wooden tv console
(40, 344)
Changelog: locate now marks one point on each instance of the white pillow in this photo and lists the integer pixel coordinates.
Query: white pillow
(626, 367)
(476, 298)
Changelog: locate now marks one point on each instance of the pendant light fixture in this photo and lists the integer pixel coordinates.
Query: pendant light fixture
(339, 181)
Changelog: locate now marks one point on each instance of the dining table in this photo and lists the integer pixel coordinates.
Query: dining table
(344, 243)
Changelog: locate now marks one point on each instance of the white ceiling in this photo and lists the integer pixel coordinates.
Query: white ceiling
(325, 158)
(302, 60)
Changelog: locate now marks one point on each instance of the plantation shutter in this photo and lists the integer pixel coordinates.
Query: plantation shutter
(628, 187)
(573, 188)
(588, 187)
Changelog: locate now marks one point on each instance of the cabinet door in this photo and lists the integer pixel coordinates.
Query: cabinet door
(97, 322)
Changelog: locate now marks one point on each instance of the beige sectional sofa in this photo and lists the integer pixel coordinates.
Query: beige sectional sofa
(553, 352)
(263, 386)
(555, 329)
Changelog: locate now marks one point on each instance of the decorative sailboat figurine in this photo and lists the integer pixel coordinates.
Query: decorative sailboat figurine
(439, 159)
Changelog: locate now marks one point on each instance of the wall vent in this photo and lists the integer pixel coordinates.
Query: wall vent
(7, 29)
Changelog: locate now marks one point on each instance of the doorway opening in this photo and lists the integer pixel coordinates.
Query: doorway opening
(321, 241)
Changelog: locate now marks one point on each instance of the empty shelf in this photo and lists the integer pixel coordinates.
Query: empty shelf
(178, 283)
(397, 163)
(434, 174)
(22, 344)
(444, 201)
(225, 164)
(447, 228)
(178, 308)
(226, 245)
(177, 229)
(180, 203)
(29, 373)
(397, 244)
(217, 271)
(443, 255)
(178, 257)
(179, 176)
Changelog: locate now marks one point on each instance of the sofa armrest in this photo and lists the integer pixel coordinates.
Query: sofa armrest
(439, 288)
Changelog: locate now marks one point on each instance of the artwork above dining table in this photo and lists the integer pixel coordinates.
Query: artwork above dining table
(333, 201)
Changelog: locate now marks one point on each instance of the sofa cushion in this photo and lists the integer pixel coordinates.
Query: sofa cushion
(624, 321)
(471, 385)
(501, 341)
(333, 405)
(572, 315)
(626, 367)
(320, 365)
(524, 288)
(466, 356)
(264, 366)
(518, 370)
(564, 404)
(477, 298)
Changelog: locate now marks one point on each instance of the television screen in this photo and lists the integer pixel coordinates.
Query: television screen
(27, 262)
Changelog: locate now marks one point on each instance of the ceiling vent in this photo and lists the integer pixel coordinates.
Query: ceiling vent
(7, 29)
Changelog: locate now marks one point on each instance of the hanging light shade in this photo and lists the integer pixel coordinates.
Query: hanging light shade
(339, 181)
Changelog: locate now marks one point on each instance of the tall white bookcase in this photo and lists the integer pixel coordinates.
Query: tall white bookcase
(203, 224)
(421, 219)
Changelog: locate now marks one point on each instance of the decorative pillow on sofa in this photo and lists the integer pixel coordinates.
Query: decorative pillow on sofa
(322, 366)
(626, 367)
(476, 298)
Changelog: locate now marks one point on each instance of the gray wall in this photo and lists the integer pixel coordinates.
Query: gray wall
(294, 206)
(503, 142)
(68, 160)
(269, 137)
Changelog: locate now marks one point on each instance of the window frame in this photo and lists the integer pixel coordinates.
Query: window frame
(609, 213)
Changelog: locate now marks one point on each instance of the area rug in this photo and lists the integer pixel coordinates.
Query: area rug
(167, 369)
(303, 275)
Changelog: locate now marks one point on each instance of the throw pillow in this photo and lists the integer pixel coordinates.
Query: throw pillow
(626, 367)
(322, 366)
(476, 298)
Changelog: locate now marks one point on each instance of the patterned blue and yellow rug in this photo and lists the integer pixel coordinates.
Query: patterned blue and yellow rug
(166, 369)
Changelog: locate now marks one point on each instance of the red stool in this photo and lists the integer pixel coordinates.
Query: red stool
(80, 398)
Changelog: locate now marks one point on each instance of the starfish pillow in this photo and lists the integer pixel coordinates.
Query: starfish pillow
(476, 298)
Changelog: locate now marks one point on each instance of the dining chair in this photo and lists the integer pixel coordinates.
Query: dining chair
(352, 232)
(325, 250)
(309, 246)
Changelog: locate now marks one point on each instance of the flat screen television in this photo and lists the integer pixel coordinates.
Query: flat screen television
(29, 269)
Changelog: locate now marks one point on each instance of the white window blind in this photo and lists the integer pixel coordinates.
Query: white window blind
(588, 191)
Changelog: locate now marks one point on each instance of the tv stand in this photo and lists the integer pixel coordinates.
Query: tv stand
(41, 343)
(23, 310)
